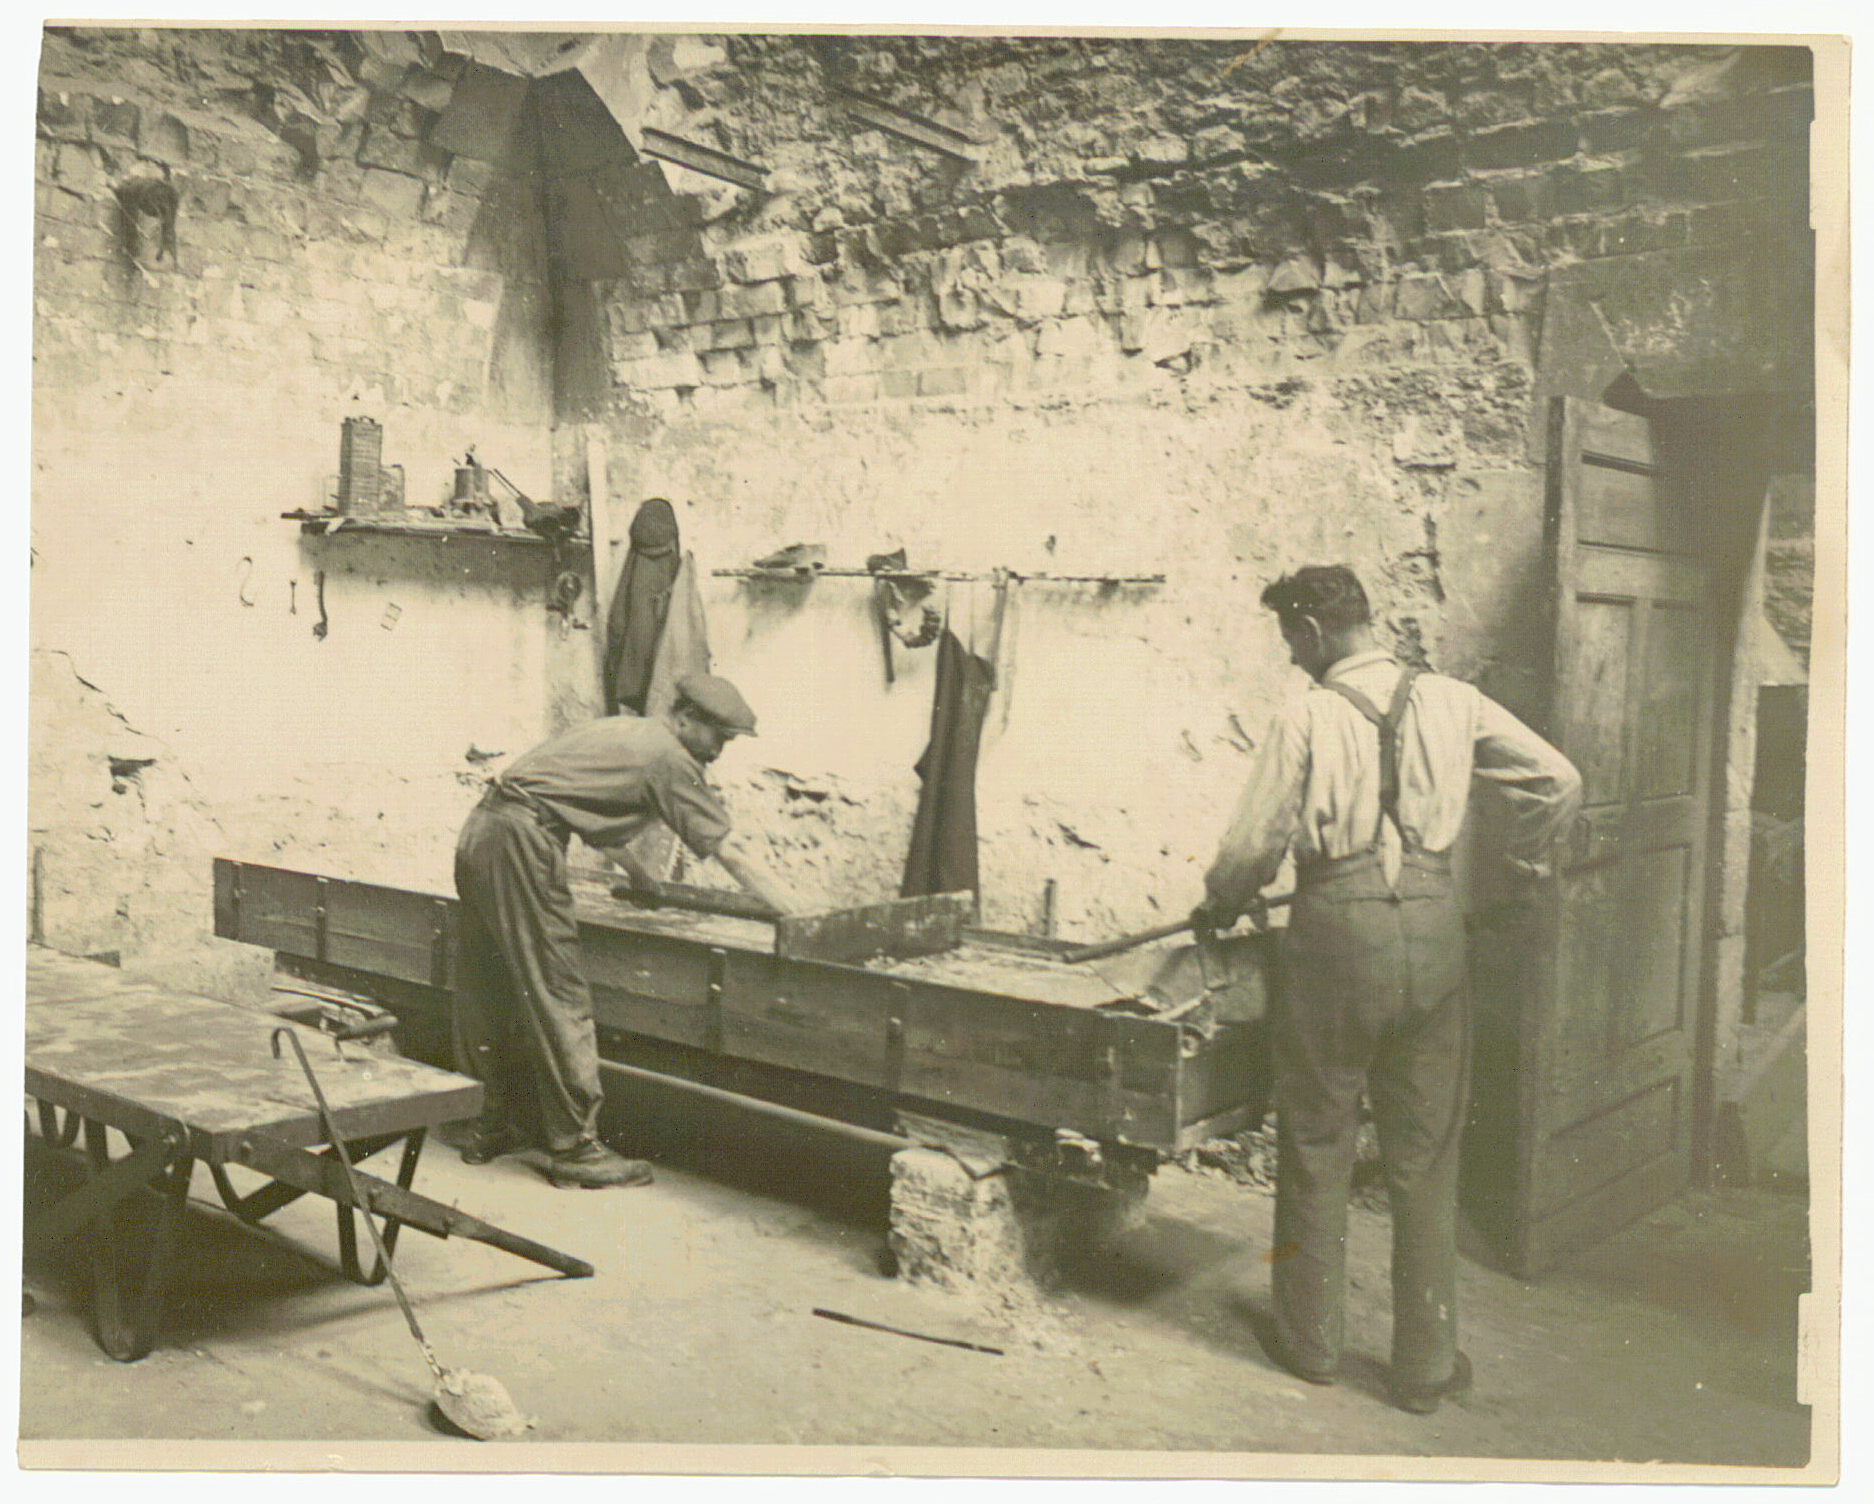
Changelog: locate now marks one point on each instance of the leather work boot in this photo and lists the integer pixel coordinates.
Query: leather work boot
(489, 1141)
(592, 1166)
(1424, 1399)
(1284, 1359)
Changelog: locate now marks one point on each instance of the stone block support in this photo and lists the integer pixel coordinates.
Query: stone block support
(998, 1217)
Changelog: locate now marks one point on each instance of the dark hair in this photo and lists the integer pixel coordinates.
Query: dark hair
(1330, 593)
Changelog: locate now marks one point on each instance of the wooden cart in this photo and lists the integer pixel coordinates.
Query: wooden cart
(186, 1080)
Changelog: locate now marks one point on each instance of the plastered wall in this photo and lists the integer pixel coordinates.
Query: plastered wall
(181, 406)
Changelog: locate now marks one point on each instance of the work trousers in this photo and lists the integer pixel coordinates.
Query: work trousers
(523, 1016)
(1375, 1001)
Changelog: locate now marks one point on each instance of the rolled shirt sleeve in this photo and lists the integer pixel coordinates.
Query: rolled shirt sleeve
(1266, 817)
(1541, 786)
(687, 804)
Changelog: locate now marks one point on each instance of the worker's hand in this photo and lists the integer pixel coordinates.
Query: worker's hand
(1258, 913)
(1209, 918)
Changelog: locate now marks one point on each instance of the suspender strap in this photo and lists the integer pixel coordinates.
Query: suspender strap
(1388, 725)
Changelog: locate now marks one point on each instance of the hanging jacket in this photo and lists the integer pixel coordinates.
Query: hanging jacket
(942, 858)
(640, 603)
(683, 645)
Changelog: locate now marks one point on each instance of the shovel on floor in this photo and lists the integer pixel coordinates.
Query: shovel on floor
(473, 1403)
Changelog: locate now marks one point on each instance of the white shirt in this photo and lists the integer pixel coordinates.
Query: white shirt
(1314, 786)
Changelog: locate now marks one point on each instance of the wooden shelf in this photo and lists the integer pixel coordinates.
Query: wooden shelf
(325, 524)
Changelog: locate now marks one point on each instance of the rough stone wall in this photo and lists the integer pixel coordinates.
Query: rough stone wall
(1200, 309)
(327, 261)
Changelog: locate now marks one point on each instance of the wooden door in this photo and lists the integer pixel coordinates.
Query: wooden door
(1605, 1024)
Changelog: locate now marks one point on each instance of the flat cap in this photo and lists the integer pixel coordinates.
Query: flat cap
(719, 700)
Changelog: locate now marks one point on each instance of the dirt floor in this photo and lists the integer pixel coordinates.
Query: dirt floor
(1675, 1341)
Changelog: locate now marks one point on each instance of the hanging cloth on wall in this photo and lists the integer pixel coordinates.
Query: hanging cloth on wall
(635, 622)
(942, 858)
(683, 645)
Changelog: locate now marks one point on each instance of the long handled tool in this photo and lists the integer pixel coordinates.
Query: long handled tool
(473, 1403)
(1105, 948)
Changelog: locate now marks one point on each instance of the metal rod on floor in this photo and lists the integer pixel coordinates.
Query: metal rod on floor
(875, 1136)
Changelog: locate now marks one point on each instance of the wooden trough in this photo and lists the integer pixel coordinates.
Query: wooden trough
(998, 1026)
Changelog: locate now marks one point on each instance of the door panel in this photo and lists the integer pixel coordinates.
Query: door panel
(1606, 1027)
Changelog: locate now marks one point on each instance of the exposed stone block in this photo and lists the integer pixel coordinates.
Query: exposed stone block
(694, 275)
(167, 139)
(1710, 175)
(393, 194)
(1176, 248)
(998, 1232)
(1748, 117)
(857, 321)
(851, 357)
(1523, 198)
(1298, 274)
(1424, 159)
(722, 367)
(1524, 145)
(1178, 287)
(850, 389)
(1038, 297)
(1422, 298)
(1455, 206)
(1641, 230)
(959, 308)
(757, 263)
(1217, 143)
(266, 245)
(822, 248)
(382, 147)
(1606, 131)
(116, 119)
(809, 324)
(672, 368)
(65, 114)
(704, 306)
(905, 316)
(803, 359)
(1723, 224)
(1418, 109)
(77, 168)
(730, 334)
(753, 298)
(944, 381)
(1585, 189)
(979, 222)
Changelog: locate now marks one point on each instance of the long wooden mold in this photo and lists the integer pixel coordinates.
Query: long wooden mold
(1010, 1032)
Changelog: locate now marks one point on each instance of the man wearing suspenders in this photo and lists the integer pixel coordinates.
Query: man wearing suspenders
(1364, 779)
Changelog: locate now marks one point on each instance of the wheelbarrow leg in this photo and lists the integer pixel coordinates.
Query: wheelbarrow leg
(348, 1227)
(129, 1334)
(60, 1136)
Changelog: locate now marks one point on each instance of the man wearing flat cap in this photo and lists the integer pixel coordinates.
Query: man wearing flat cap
(1365, 780)
(523, 1015)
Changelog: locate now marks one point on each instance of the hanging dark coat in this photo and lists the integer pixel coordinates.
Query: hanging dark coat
(942, 858)
(639, 604)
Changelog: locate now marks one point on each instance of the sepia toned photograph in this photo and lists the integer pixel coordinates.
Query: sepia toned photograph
(976, 752)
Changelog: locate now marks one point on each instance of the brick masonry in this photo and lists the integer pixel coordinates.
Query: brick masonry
(1196, 308)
